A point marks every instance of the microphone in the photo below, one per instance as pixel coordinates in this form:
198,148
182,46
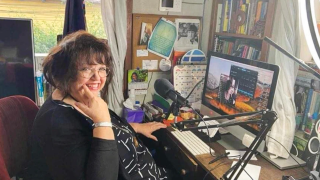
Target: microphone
166,90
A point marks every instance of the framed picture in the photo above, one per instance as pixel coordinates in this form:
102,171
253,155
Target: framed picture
146,30
188,34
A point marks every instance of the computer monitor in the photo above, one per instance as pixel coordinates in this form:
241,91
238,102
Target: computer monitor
16,58
236,85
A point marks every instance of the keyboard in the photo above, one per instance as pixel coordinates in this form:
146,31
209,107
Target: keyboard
192,142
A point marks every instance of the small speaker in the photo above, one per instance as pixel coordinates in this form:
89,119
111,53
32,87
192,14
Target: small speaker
312,148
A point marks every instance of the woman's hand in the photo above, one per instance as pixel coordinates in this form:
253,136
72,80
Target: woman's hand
92,105
147,128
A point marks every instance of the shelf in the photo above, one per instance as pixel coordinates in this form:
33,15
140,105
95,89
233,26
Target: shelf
239,36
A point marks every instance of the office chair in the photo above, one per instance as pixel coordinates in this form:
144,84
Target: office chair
16,118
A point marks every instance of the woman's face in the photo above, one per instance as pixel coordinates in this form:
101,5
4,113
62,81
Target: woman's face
231,89
134,77
89,75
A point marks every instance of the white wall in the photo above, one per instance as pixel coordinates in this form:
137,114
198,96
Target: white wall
305,54
189,8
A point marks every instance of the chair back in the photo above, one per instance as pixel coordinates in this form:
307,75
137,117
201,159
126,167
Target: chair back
17,114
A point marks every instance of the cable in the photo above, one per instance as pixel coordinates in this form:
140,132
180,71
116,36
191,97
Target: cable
289,153
194,88
213,169
244,168
144,98
246,171
207,130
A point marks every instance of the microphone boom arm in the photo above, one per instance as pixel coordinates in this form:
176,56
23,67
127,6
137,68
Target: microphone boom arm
266,122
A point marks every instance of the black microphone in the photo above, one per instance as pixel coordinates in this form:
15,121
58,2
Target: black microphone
166,90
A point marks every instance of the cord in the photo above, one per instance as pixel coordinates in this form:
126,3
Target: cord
144,98
194,88
244,168
246,171
289,154
207,130
216,166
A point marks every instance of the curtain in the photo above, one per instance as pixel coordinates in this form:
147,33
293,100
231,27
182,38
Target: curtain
114,16
74,17
285,33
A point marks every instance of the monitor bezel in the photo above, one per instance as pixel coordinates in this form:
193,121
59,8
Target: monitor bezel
255,63
30,21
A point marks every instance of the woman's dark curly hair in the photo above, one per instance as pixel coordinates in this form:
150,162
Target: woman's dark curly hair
60,67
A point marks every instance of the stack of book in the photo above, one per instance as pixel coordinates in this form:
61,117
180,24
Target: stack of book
307,101
254,12
239,47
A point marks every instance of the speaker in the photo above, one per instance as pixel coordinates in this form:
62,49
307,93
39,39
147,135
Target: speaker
312,148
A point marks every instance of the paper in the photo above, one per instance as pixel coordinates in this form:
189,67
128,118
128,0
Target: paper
138,79
162,38
212,131
138,86
141,91
235,154
252,170
185,77
128,104
150,64
142,53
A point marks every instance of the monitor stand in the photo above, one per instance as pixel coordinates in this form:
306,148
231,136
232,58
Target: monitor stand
282,163
229,142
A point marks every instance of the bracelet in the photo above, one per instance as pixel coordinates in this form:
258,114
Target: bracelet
102,124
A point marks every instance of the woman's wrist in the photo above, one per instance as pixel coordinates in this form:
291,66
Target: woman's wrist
103,133
135,127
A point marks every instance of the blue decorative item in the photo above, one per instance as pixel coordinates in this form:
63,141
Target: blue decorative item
194,56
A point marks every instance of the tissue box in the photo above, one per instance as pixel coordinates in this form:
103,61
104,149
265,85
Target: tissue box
131,115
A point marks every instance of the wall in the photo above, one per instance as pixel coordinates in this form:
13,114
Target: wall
305,54
189,8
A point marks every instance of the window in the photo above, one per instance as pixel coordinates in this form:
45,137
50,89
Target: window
48,19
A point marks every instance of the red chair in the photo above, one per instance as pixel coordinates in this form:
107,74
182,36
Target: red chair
16,118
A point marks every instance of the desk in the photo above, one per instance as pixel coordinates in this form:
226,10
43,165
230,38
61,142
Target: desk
196,167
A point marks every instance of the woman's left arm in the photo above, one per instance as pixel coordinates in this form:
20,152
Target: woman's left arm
147,128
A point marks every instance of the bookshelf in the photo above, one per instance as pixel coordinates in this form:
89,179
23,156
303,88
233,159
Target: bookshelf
255,18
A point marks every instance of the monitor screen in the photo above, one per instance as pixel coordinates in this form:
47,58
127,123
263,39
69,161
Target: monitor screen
235,85
16,58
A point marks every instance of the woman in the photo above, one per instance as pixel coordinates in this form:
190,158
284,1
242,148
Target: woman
229,93
134,77
74,135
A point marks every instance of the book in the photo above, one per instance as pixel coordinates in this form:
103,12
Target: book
258,11
219,15
306,111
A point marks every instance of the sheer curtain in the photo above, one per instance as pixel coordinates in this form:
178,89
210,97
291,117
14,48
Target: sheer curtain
285,33
114,16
